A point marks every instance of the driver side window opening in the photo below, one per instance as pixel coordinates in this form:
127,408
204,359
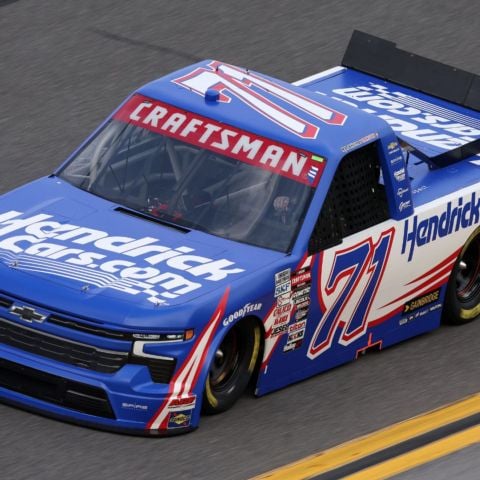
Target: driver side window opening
356,199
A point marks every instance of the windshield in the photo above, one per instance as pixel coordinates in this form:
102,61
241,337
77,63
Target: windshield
149,170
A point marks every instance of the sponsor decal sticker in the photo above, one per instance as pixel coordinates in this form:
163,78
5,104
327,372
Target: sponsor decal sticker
289,347
305,303
134,406
422,301
182,403
419,189
394,160
455,216
281,319
283,276
419,313
179,419
312,173
360,141
301,277
283,289
302,300
279,330
413,118
299,314
296,334
303,291
242,312
283,284
295,327
271,342
283,299
399,175
224,139
135,266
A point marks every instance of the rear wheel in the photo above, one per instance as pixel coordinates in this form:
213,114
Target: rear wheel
462,302
232,366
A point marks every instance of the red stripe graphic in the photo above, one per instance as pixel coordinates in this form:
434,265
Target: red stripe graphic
449,260
186,378
443,269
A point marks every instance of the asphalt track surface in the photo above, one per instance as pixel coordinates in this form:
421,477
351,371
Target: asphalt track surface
64,65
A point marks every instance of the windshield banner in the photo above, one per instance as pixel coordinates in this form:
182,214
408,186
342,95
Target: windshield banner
303,167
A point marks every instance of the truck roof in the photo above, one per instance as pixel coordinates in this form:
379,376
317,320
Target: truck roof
268,107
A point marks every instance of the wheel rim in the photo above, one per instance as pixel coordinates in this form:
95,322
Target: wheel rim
225,363
468,273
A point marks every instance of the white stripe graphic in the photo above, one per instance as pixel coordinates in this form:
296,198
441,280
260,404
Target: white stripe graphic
317,76
25,262
440,111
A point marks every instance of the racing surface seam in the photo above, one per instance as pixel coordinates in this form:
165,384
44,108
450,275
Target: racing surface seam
142,44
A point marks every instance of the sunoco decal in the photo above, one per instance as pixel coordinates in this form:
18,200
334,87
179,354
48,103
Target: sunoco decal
41,244
224,139
179,419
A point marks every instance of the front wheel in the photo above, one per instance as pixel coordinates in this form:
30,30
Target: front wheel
232,366
462,300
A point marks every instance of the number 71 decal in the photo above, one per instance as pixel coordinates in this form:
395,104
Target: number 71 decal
247,87
351,287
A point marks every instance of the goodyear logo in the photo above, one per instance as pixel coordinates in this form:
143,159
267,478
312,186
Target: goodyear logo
422,301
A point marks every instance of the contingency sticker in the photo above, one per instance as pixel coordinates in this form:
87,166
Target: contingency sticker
179,419
301,281
283,284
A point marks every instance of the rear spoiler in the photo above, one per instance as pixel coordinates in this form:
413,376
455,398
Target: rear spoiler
381,58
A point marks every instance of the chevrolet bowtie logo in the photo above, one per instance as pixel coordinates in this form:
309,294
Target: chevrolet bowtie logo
28,314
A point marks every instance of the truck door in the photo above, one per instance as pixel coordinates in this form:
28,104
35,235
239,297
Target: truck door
352,239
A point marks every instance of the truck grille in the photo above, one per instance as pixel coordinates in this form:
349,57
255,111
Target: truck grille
61,349
50,388
92,329
77,353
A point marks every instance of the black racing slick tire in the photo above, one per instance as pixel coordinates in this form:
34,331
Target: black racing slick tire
462,299
232,366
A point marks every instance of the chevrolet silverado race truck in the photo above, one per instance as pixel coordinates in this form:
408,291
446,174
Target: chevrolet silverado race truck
222,228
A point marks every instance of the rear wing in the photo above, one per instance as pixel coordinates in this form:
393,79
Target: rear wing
381,58
437,114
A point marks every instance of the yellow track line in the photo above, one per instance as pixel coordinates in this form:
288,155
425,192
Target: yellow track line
369,444
420,456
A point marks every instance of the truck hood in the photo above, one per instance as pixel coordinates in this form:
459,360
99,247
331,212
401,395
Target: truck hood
68,250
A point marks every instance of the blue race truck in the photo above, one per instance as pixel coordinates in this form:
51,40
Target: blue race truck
222,228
